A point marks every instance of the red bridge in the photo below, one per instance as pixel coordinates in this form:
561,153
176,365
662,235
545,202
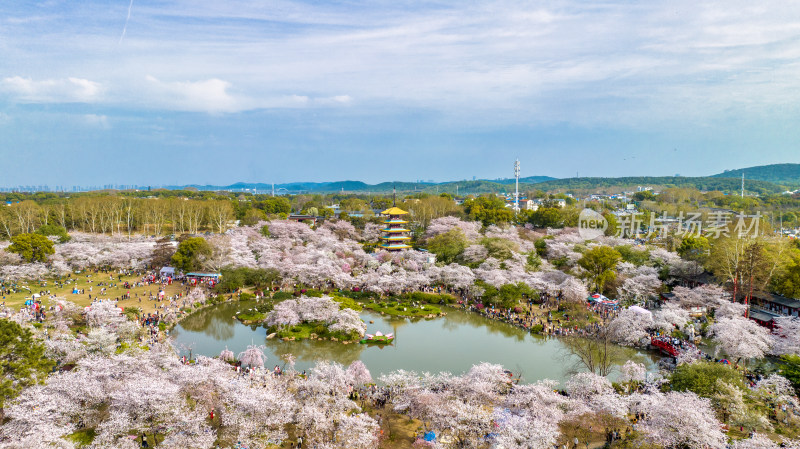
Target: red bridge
665,345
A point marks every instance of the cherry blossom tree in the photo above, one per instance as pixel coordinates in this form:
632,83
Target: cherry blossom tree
669,317
740,338
707,295
728,309
757,441
196,296
441,225
641,286
226,355
633,372
679,419
358,373
253,356
630,326
475,253
786,335
357,431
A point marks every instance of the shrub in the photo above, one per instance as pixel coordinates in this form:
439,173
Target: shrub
282,295
432,298
701,378
537,329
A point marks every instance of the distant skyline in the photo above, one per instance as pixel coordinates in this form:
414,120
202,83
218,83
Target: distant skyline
208,92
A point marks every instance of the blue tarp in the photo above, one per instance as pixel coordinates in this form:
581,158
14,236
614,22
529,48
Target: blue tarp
429,436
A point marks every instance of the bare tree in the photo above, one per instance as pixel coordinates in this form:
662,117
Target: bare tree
595,353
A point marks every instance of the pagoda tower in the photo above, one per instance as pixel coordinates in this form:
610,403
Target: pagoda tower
395,233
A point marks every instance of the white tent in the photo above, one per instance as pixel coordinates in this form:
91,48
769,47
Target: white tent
640,310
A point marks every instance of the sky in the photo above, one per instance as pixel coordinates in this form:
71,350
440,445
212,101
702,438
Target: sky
214,92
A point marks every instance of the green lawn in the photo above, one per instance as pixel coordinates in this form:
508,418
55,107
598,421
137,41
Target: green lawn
88,279
403,309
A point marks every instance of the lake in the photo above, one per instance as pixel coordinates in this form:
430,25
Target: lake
451,343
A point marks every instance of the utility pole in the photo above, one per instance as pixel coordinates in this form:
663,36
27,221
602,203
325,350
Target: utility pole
516,188
273,189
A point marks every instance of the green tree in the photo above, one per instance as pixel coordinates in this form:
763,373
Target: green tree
701,378
613,224
31,247
488,210
599,263
787,283
55,230
634,256
191,254
694,248
790,369
252,216
22,360
448,246
500,249
547,217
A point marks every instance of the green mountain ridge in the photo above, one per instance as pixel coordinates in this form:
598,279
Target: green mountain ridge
787,174
762,179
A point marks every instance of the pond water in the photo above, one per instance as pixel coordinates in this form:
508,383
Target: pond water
452,343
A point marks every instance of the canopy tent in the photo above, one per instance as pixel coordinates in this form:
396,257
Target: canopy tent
597,298
167,272
640,310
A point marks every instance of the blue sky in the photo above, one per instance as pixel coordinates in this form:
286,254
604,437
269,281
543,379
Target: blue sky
208,91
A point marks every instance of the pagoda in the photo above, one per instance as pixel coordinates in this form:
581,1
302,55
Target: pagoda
395,233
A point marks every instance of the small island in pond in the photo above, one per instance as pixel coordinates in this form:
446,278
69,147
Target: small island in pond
316,318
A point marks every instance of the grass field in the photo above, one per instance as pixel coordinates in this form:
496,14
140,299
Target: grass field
92,279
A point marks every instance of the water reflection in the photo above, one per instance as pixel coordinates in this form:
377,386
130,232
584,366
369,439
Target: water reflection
213,321
310,351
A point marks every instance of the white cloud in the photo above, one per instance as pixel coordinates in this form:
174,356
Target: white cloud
209,95
65,90
100,121
493,61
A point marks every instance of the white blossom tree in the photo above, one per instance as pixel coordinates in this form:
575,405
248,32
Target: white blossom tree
740,338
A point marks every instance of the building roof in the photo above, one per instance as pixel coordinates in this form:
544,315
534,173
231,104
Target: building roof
761,316
394,211
778,299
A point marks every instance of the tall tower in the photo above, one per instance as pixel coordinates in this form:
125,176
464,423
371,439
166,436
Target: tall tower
742,184
516,188
395,234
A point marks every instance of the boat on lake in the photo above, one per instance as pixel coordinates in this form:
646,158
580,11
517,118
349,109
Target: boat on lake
378,339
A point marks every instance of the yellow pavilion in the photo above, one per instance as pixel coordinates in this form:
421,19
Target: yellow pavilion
395,233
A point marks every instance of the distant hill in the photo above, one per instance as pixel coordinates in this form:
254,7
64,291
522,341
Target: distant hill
729,182
705,183
778,173
526,180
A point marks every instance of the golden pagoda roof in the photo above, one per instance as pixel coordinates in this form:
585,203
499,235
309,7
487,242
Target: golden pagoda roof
394,211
